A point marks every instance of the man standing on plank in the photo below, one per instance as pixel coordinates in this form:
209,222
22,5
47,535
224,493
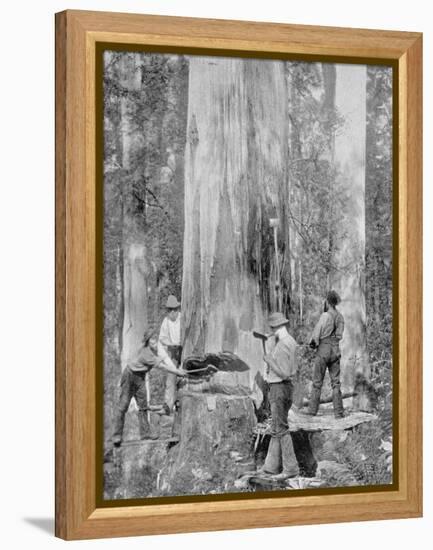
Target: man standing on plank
280,374
326,338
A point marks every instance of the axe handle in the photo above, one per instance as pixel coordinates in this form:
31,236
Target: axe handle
277,268
209,369
264,352
147,382
262,337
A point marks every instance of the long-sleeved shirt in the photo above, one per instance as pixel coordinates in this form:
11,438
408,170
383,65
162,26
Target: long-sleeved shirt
284,355
331,323
169,335
144,360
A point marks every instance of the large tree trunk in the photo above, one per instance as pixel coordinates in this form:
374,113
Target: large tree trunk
133,255
135,272
349,255
113,244
135,268
235,180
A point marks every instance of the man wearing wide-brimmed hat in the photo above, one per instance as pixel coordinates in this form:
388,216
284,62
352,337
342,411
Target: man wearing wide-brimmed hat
133,385
169,345
326,338
280,374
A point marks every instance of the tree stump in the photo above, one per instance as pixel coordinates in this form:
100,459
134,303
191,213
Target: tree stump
215,445
139,464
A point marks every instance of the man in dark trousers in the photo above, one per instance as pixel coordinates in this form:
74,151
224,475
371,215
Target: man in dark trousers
280,374
326,338
133,384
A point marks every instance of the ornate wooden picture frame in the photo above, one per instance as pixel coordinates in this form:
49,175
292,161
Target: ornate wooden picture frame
80,38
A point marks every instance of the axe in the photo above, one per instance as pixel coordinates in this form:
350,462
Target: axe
262,337
274,223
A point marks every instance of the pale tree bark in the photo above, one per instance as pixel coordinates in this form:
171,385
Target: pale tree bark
329,74
350,235
113,242
135,268
235,181
135,318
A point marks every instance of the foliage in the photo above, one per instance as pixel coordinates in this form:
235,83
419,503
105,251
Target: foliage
145,114
363,455
378,198
318,210
318,200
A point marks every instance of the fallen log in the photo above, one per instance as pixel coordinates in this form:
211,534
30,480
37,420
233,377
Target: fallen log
325,420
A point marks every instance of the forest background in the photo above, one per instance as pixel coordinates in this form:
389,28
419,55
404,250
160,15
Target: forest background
334,228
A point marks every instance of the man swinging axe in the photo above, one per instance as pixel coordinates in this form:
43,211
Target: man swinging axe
133,385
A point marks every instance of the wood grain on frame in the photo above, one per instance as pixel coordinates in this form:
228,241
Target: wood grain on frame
77,33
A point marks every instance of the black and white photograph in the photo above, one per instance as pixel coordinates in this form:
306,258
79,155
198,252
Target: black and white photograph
248,275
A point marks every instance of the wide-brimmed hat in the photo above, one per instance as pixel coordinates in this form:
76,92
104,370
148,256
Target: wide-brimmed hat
277,320
172,302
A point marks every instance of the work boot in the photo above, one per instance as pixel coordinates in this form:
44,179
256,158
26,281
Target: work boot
119,422
308,472
337,402
281,477
289,462
144,426
304,454
273,460
313,405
